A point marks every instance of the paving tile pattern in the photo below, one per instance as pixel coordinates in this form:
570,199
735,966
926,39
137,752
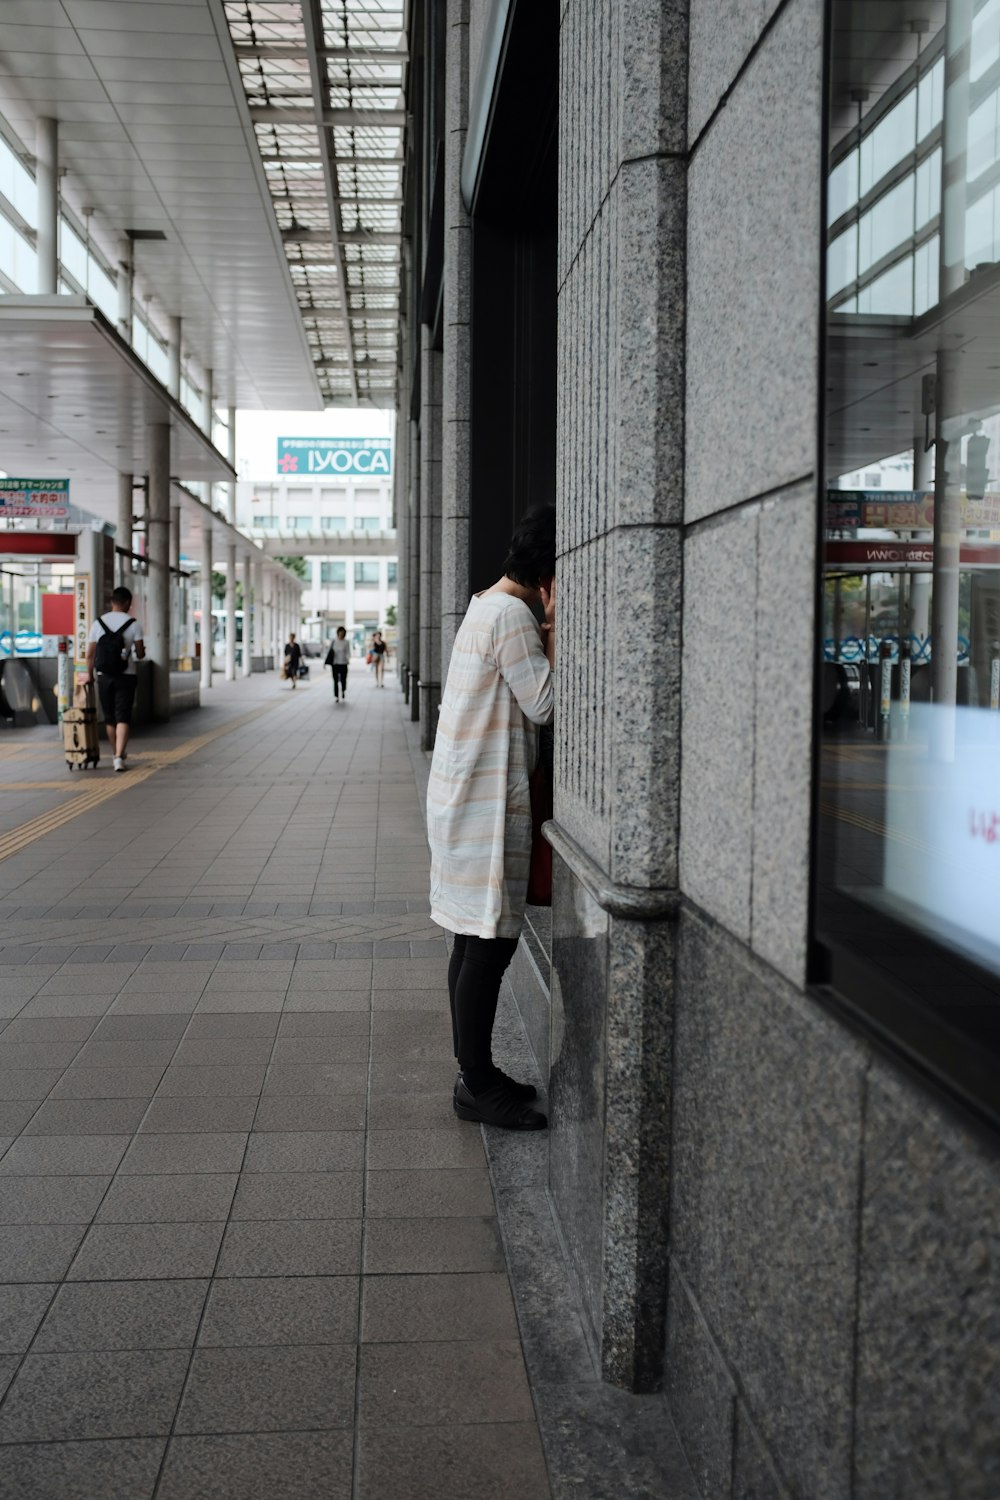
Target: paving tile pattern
245,1247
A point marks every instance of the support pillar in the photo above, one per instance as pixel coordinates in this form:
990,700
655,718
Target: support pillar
259,643
47,182
156,627
174,357
123,537
231,456
248,641
126,279
430,544
231,612
206,601
175,537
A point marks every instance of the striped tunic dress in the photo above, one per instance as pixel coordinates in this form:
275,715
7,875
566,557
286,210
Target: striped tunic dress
499,689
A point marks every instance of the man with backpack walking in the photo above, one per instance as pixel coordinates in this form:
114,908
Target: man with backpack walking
113,646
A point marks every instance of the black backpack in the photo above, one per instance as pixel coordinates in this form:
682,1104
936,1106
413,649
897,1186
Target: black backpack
110,659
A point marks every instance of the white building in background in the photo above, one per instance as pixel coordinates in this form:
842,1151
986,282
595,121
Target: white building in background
319,489
355,591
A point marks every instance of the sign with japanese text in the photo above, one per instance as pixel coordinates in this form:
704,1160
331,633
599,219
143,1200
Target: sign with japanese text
346,458
81,618
889,556
34,499
903,510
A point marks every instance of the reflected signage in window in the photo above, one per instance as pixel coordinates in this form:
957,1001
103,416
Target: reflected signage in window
908,867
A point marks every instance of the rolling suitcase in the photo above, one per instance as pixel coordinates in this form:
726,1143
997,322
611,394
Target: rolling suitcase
79,726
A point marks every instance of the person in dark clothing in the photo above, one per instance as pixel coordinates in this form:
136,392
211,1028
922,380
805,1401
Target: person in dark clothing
293,655
337,658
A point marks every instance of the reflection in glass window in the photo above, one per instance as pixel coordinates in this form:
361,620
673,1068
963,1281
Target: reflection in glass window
985,40
886,225
333,574
930,100
891,294
366,523
300,523
266,523
893,137
392,574
928,189
908,860
842,261
982,151
842,187
925,276
981,230
337,524
366,575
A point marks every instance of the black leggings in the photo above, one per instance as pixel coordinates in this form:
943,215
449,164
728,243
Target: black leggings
474,974
339,679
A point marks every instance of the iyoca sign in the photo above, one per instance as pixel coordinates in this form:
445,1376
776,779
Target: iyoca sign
350,458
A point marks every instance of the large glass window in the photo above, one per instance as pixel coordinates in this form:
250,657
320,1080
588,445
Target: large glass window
366,575
908,861
333,574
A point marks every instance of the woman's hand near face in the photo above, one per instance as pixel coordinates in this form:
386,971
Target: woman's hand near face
549,626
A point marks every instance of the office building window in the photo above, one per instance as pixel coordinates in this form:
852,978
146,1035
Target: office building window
367,523
366,575
392,574
266,523
332,575
908,860
300,523
337,524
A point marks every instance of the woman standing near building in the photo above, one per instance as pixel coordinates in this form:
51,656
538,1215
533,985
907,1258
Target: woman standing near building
380,653
499,690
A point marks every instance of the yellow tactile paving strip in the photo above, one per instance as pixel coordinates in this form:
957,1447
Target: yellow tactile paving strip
94,794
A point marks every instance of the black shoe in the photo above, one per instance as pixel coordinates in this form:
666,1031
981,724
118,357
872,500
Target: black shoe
496,1105
525,1091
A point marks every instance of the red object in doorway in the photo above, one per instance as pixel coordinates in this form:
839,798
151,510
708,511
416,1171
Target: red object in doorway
57,614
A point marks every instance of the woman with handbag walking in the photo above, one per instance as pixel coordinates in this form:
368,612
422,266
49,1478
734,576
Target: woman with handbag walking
498,692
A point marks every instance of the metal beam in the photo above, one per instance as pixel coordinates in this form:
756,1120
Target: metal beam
332,54
312,23
346,237
312,160
269,114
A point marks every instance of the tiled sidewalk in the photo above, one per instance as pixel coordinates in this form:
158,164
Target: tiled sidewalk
245,1248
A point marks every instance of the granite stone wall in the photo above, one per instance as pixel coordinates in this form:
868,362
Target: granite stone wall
764,1215
620,501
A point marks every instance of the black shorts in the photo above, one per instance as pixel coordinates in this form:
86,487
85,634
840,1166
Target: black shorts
117,695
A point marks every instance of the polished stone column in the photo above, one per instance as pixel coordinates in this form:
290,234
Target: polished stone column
157,623
231,612
206,600
47,183
248,640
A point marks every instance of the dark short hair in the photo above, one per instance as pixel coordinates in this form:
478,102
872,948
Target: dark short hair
122,597
341,630
532,554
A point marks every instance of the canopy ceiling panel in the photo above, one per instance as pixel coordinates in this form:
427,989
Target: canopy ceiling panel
155,134
324,82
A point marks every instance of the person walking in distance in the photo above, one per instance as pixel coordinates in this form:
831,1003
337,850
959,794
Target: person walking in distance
338,657
293,655
113,645
380,653
500,689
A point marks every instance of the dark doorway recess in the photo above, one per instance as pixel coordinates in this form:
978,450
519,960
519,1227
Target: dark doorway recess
514,269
